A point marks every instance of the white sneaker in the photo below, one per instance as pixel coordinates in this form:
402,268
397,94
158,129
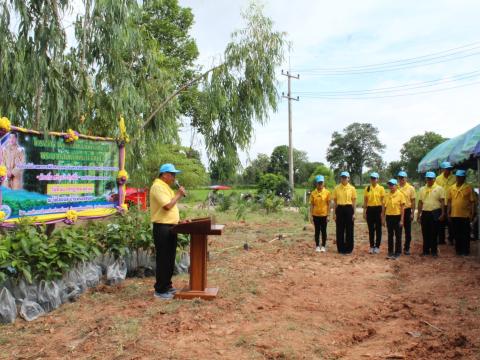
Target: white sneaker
323,249
377,250
371,251
317,249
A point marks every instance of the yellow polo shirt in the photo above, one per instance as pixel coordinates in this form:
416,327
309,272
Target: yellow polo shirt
320,201
409,192
431,197
462,200
160,195
374,195
393,203
344,194
445,182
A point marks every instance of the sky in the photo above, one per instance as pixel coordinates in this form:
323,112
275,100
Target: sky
358,34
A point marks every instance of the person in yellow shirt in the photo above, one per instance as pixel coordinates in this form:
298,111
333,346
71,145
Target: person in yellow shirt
409,192
344,200
393,215
446,179
319,210
164,215
460,210
431,210
372,212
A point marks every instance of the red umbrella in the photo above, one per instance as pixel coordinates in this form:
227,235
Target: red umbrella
220,187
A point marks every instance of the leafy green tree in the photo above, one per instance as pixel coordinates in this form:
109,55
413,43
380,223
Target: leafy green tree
193,172
258,167
274,184
279,163
394,167
416,148
357,147
326,172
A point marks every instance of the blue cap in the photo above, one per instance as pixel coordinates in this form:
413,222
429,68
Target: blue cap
168,168
392,181
430,175
345,173
446,165
374,175
319,178
402,174
460,173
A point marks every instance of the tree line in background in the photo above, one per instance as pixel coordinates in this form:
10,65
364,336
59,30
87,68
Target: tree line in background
357,149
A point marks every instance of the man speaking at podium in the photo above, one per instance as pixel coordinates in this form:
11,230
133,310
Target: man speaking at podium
164,215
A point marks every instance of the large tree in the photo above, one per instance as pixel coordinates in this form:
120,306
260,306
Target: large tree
416,148
279,163
135,59
257,168
356,147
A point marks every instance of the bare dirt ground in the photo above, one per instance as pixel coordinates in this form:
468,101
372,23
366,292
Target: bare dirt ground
279,300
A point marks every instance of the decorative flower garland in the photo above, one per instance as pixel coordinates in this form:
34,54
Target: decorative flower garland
3,173
71,217
2,216
5,126
123,137
122,177
70,136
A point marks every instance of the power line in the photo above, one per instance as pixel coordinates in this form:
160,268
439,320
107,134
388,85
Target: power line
406,60
372,71
424,84
359,97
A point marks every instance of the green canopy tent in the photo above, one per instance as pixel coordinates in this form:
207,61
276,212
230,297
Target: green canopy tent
462,151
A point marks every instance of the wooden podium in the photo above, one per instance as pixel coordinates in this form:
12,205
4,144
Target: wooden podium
199,229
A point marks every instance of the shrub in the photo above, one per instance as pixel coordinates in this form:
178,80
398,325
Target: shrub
272,183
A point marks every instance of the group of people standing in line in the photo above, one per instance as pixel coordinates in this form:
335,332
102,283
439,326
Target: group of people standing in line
446,201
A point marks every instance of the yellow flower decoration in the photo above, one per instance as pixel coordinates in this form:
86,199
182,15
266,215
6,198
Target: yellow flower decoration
71,216
3,170
2,216
123,131
122,177
124,207
71,136
5,125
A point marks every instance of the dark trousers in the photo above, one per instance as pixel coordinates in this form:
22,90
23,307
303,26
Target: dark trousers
430,225
407,225
394,230
461,229
374,222
442,227
344,222
165,252
320,223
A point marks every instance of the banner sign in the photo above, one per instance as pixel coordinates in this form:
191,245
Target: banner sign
48,176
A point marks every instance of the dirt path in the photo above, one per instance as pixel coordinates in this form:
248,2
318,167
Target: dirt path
279,300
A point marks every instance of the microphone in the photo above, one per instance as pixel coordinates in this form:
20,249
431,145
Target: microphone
177,184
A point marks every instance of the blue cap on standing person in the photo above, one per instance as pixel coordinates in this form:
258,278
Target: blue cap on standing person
460,173
168,168
344,174
319,178
402,174
392,182
374,175
446,165
430,175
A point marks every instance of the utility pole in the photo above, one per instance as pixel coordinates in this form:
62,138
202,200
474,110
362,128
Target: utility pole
290,145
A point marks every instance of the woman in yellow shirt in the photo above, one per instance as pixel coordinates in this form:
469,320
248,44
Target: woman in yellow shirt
344,200
319,210
392,214
372,212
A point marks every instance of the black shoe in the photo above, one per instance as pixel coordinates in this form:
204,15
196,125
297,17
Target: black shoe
435,255
397,255
425,254
406,252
